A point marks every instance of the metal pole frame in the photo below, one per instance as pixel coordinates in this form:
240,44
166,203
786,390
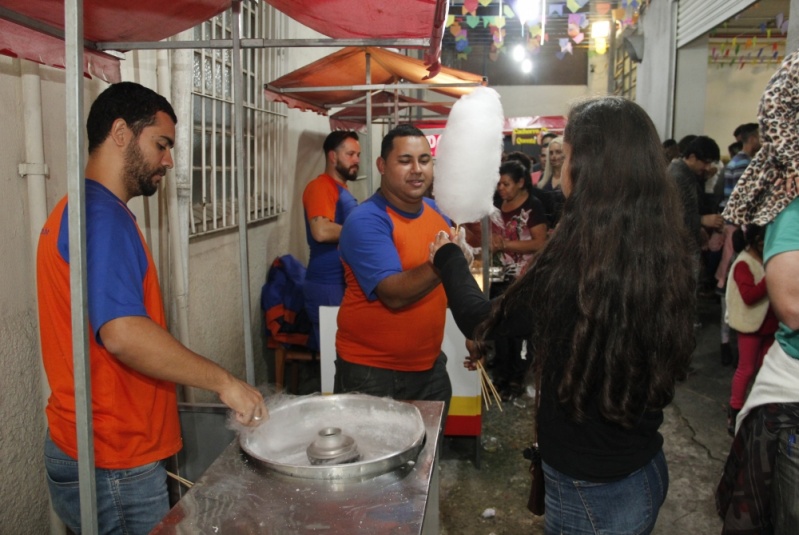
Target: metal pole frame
76,194
241,180
74,88
369,131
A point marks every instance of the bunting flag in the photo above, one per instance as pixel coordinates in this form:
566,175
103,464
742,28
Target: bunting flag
472,21
470,7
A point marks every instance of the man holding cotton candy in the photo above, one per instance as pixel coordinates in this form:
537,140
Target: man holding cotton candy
391,321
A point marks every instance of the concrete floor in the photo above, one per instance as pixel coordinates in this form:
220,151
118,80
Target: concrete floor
696,446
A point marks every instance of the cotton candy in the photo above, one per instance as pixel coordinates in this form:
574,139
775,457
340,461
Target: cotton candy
468,156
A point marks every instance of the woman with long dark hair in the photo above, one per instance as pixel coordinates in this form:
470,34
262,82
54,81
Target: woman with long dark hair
607,306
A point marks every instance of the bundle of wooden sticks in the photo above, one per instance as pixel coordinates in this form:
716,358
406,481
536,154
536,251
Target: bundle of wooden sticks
487,388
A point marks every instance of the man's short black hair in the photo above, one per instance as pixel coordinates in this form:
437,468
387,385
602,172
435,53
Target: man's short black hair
684,142
735,148
744,130
401,130
547,135
704,148
129,101
335,139
669,143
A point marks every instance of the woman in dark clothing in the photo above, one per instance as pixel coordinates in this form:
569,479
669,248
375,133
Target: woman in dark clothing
518,234
607,306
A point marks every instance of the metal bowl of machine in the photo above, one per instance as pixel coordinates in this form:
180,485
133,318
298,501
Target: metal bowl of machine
332,447
309,437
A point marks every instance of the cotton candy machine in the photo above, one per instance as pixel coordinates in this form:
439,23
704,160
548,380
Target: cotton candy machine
337,437
265,481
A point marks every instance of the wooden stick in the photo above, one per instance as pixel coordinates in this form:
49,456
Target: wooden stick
483,391
181,480
492,388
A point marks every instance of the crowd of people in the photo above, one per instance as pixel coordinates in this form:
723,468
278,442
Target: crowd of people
602,253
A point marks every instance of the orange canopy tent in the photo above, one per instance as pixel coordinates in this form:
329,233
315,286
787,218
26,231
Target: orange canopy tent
341,77
385,105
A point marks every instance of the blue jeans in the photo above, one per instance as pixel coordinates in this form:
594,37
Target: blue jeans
130,501
785,486
429,385
629,506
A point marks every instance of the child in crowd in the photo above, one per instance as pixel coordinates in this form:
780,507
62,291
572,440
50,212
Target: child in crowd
749,313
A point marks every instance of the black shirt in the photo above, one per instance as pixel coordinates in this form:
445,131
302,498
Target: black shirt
593,450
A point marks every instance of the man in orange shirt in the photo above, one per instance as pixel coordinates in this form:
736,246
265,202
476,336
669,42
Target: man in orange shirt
327,203
391,321
134,361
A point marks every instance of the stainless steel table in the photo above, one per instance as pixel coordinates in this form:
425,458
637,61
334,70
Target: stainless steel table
236,495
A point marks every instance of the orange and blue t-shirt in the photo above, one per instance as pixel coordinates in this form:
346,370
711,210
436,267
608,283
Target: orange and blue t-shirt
326,197
377,241
134,416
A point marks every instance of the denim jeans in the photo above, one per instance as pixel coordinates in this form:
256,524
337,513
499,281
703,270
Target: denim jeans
430,385
130,501
785,486
628,506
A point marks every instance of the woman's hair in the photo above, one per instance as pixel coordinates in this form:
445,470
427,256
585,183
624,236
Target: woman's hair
612,292
747,236
516,171
548,171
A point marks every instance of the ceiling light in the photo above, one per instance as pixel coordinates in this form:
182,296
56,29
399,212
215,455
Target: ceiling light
600,28
527,66
527,9
518,53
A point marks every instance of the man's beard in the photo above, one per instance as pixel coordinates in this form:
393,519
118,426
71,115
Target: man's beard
347,174
138,176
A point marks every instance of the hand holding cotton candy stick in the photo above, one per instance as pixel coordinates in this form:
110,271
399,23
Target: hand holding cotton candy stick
468,157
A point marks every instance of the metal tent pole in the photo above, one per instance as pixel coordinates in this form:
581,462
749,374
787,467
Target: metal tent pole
244,256
73,23
369,129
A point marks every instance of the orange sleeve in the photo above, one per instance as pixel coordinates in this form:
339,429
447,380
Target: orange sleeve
320,198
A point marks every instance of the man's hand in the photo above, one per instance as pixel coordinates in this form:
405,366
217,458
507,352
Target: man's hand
246,401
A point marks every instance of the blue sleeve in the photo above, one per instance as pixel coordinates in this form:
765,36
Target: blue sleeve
367,246
116,264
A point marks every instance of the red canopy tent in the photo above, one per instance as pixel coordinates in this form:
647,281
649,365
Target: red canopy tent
34,29
374,18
